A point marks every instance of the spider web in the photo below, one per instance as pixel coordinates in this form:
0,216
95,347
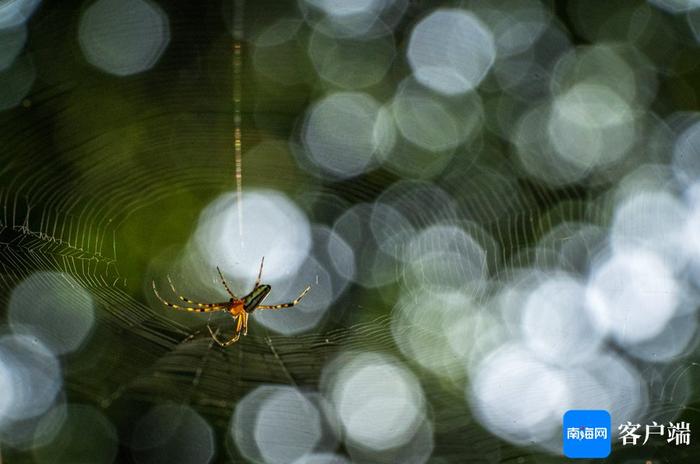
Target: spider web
151,357
73,201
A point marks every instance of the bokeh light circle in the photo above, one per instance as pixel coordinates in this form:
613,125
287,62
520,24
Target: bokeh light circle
591,125
339,133
555,324
654,221
123,37
379,402
276,425
442,338
55,307
265,213
16,12
632,295
32,377
418,111
444,258
451,51
518,397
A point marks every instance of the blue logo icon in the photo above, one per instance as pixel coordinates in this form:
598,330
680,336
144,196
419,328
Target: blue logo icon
586,434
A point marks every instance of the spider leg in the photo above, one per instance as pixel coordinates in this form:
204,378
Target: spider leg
221,343
239,325
257,281
223,281
232,340
214,307
245,323
187,300
286,305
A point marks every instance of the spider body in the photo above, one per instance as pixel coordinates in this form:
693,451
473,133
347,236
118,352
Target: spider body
237,308
252,301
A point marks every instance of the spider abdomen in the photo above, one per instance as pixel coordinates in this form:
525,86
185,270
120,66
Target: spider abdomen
252,300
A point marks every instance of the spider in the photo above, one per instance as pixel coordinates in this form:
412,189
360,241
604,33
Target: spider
238,308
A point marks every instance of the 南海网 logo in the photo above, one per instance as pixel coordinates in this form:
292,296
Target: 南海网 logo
586,434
